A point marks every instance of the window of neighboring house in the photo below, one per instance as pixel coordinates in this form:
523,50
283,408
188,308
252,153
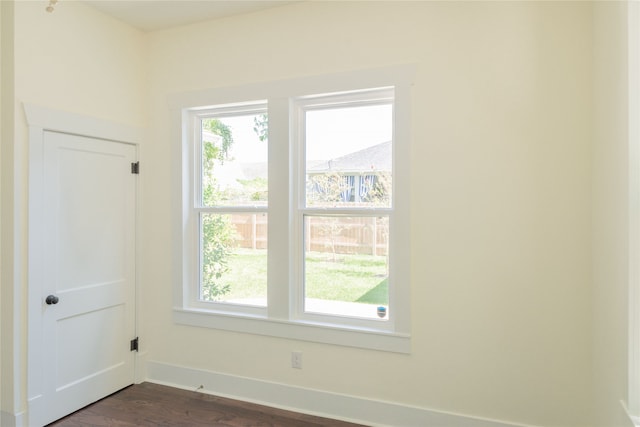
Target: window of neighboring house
325,168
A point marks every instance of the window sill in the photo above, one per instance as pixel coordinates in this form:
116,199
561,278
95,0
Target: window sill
297,330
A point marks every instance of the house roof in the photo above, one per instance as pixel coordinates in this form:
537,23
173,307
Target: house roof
375,158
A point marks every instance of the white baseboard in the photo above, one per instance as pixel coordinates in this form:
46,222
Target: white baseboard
12,420
635,421
312,402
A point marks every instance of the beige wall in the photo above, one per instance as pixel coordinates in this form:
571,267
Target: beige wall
502,129
77,60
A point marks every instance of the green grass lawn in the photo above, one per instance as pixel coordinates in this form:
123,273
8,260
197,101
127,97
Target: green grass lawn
343,277
247,275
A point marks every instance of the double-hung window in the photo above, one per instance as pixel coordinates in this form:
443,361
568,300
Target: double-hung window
343,193
230,205
295,210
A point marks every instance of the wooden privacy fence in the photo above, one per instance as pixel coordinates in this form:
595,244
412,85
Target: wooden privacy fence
341,235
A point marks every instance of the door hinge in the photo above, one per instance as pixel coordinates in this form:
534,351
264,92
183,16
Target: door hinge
135,168
134,344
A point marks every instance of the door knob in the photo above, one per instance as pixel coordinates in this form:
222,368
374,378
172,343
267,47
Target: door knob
52,299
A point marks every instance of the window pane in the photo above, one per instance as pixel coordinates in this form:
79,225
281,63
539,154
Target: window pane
346,266
349,156
234,160
234,258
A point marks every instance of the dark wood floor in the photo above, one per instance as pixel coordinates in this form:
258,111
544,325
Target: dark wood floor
149,404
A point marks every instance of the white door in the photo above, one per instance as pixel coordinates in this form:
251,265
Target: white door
86,292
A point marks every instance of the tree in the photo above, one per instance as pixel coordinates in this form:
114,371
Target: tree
261,126
257,188
220,129
218,234
380,193
331,189
326,189
323,190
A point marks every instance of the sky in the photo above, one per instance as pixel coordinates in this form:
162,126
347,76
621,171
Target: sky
330,133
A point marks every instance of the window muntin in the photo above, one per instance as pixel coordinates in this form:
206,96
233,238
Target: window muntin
232,203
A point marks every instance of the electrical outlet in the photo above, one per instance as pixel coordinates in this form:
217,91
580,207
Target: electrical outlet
296,359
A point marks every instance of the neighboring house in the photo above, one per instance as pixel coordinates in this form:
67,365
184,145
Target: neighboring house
360,171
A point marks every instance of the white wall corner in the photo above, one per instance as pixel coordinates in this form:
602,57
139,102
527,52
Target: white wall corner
141,367
309,401
633,407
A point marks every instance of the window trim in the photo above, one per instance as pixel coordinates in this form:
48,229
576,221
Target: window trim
279,321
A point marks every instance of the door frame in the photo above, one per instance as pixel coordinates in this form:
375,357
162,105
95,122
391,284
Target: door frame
40,120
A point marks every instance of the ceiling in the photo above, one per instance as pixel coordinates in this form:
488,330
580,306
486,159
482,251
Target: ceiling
151,15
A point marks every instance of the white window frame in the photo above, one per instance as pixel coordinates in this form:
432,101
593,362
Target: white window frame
282,318
298,109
